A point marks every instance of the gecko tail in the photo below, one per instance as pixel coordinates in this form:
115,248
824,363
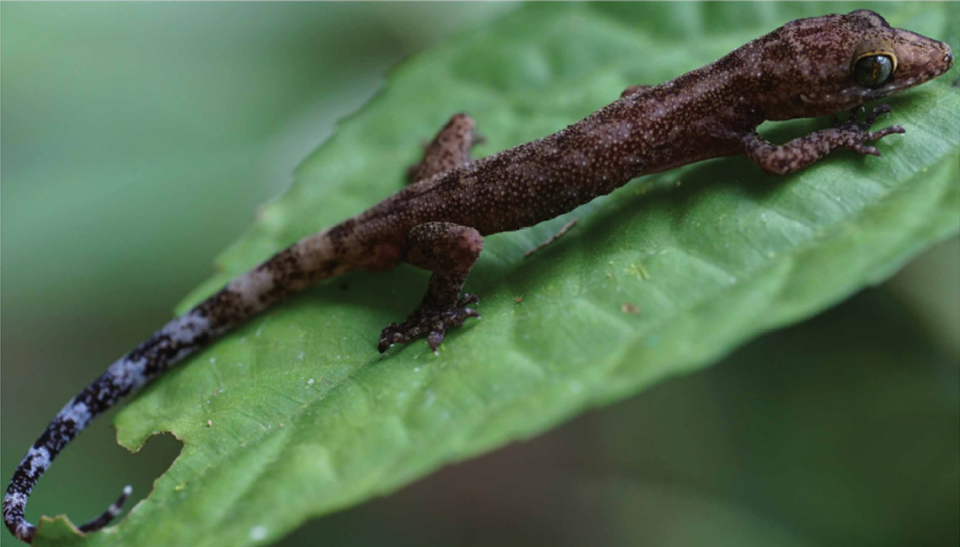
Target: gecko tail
166,347
25,531
309,261
110,514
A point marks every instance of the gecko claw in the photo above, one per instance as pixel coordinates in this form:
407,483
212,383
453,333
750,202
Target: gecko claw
854,115
431,322
108,515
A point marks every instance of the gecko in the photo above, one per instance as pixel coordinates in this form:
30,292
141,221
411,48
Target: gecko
807,68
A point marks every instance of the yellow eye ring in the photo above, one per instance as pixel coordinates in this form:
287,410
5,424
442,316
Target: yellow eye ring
873,68
885,52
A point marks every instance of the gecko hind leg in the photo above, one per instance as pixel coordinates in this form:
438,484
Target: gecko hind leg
449,149
449,251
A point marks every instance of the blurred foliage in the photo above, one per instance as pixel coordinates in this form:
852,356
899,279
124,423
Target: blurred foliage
521,84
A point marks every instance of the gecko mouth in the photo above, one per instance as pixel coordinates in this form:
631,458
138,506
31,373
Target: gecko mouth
859,96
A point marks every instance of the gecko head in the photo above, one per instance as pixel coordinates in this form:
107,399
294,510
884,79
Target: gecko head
822,65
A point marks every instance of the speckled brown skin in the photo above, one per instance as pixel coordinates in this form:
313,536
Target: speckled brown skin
800,70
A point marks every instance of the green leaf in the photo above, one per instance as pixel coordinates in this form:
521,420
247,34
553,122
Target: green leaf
296,414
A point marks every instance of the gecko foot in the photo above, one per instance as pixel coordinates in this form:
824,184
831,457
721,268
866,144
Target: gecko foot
854,134
432,322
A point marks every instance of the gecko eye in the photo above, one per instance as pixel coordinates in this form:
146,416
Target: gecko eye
873,69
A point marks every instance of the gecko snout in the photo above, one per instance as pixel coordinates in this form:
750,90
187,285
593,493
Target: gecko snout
921,59
947,56
942,59
939,56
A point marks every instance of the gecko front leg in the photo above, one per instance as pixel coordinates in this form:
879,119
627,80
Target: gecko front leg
449,149
799,153
449,251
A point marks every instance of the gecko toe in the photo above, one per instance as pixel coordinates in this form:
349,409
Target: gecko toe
856,134
467,300
430,322
882,109
434,339
893,129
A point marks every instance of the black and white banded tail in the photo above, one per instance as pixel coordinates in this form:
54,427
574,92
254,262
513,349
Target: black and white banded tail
166,347
306,262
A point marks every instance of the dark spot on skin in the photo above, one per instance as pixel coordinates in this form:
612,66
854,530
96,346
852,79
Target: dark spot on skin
344,286
283,264
339,233
223,308
955,83
328,267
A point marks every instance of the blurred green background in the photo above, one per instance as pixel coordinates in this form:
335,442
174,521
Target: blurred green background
138,140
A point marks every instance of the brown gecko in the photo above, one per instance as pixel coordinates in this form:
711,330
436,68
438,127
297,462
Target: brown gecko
806,68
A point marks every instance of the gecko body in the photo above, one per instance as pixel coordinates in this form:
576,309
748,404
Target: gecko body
809,67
